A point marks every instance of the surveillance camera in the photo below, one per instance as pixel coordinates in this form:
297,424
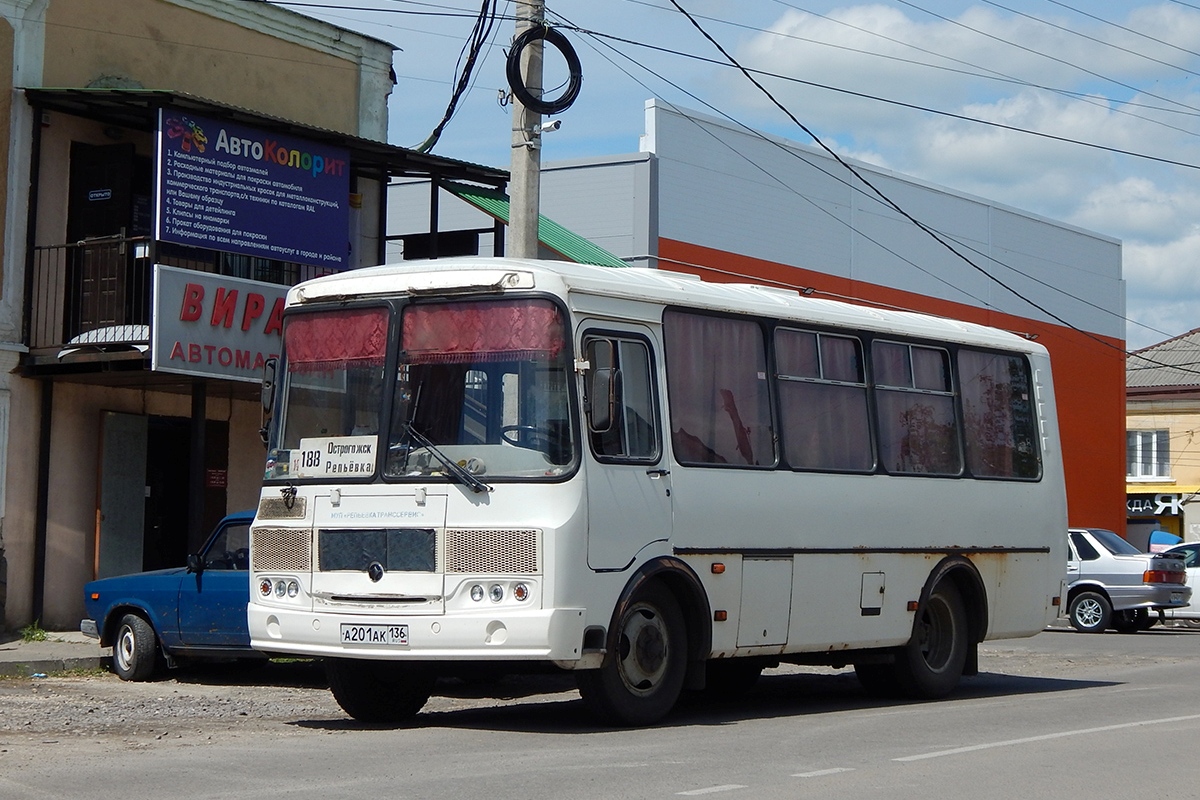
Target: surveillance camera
550,125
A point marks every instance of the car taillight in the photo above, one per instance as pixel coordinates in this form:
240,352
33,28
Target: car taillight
1163,576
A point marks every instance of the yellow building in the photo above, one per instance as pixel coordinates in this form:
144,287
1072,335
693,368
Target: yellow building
1162,464
120,446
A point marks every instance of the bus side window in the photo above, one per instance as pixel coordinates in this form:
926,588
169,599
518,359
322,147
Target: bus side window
620,401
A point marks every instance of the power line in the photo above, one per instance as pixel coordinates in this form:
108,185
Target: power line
1124,28
887,200
930,231
889,101
1044,55
482,31
1089,38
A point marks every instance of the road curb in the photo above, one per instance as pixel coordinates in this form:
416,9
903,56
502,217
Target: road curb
45,666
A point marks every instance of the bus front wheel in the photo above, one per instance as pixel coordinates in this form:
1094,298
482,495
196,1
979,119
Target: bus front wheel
379,691
931,664
640,682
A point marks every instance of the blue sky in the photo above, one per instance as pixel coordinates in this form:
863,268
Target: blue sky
1104,76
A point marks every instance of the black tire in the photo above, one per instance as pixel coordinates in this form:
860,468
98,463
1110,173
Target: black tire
1090,612
878,680
932,662
379,691
1131,620
731,678
642,678
135,649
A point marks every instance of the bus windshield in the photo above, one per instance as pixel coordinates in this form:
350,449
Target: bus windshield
480,386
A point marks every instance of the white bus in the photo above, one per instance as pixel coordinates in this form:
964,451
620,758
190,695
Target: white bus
659,483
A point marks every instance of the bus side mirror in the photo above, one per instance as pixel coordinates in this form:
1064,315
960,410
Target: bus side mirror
600,385
268,384
268,397
601,405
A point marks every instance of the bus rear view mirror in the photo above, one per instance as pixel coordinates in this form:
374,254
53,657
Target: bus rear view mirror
268,396
268,385
600,385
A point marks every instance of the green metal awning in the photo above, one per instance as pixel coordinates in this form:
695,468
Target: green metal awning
570,246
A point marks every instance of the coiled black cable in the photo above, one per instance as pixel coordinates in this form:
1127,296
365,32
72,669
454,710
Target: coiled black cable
516,81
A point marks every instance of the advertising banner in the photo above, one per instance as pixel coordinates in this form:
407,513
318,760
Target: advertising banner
213,325
234,188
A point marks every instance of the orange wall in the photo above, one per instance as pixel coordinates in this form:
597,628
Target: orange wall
1089,371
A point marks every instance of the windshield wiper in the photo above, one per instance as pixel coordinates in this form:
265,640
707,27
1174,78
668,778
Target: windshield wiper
452,466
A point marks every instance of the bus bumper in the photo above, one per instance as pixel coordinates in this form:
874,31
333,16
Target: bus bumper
535,635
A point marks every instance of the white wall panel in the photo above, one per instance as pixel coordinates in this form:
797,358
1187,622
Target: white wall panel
724,188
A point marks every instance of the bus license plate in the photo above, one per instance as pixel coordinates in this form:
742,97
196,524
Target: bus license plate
374,634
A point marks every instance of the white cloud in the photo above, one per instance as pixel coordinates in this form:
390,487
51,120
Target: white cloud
1163,287
1137,208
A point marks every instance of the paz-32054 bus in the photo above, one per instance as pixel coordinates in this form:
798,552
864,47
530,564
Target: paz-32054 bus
659,483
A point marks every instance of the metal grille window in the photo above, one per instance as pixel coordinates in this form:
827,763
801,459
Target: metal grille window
396,549
1148,454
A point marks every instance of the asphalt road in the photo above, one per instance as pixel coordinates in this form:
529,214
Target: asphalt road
1063,715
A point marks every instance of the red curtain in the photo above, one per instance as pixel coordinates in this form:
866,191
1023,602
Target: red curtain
490,330
334,340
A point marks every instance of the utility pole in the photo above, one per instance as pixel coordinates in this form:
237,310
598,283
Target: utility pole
526,170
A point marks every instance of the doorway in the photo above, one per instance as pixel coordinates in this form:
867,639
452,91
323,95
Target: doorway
144,490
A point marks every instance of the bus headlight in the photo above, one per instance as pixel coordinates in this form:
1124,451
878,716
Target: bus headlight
477,593
497,593
293,588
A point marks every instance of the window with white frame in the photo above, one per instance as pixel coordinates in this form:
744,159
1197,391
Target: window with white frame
1148,454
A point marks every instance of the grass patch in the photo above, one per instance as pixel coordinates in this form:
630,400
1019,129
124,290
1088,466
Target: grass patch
33,632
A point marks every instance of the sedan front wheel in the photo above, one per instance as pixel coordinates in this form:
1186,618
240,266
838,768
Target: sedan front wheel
135,649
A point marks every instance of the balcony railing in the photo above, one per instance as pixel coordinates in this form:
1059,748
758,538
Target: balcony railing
98,292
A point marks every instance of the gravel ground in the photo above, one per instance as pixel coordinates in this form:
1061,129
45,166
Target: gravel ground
203,702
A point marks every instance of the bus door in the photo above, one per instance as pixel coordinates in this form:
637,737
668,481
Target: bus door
628,479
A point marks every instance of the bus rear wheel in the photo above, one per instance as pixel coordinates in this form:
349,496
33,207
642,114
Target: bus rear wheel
640,682
932,662
379,691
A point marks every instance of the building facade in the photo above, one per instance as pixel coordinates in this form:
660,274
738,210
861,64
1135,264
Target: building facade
137,234
1162,435
710,198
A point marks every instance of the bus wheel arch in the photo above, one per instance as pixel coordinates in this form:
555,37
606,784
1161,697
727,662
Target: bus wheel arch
950,621
655,646
963,572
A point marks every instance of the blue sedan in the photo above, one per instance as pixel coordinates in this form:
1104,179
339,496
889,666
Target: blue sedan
151,618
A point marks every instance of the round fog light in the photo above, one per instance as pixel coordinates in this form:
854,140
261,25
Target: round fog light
521,592
497,593
293,589
477,593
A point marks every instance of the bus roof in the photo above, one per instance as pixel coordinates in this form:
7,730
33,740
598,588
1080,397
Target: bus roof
470,275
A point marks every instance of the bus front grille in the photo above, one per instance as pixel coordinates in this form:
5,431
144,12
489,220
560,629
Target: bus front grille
509,552
281,549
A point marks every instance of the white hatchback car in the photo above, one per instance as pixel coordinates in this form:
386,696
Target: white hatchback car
1112,584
